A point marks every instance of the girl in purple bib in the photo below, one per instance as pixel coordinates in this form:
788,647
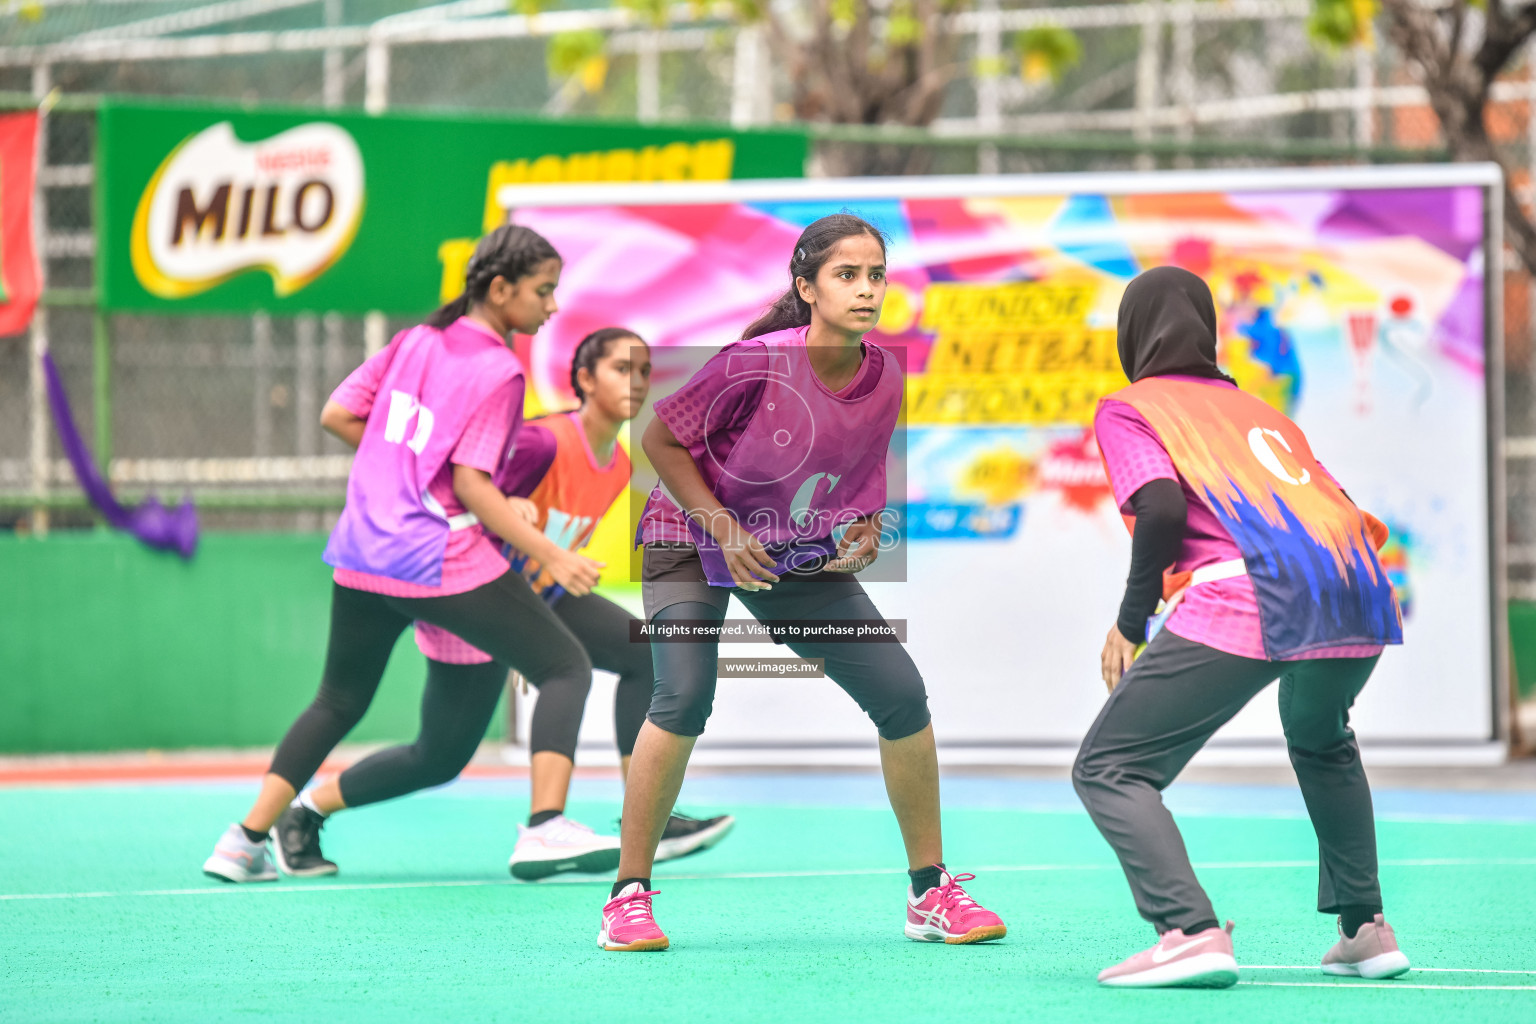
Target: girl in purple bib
433,417
772,465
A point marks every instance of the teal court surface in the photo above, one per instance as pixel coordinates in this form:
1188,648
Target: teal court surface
796,917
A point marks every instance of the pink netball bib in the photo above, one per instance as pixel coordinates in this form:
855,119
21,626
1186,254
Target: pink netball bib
808,462
391,525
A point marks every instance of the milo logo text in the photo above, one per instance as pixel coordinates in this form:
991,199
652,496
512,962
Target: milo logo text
217,207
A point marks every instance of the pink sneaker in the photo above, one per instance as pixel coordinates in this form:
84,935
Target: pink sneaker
1372,953
946,913
627,922
1201,960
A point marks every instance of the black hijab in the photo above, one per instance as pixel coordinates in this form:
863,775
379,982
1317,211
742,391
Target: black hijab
1168,325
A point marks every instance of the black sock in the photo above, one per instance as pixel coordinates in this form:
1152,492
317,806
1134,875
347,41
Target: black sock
1199,926
924,879
1353,915
618,887
253,835
538,818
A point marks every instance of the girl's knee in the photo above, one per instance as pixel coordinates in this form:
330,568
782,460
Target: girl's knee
682,710
900,709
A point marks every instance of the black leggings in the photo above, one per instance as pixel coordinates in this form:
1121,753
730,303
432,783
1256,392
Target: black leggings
603,629
460,699
880,676
504,618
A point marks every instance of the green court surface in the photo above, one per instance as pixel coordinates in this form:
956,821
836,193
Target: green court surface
796,917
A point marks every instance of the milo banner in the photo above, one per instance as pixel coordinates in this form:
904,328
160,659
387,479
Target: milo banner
209,209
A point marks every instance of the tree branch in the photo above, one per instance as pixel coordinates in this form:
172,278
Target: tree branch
1459,86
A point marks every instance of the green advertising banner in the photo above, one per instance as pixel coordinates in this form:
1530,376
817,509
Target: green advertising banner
205,209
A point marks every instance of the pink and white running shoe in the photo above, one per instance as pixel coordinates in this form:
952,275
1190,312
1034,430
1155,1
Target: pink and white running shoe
1201,960
1372,953
628,926
946,913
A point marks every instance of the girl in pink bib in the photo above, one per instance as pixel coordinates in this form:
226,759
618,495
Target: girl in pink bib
433,417
772,464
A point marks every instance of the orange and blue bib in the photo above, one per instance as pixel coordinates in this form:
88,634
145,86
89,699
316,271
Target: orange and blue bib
1308,550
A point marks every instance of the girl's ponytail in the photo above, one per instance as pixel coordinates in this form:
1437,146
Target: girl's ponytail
510,252
812,250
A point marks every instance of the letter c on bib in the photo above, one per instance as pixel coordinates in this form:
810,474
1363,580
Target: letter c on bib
1265,453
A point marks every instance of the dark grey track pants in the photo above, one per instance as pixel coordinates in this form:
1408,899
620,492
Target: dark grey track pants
1175,696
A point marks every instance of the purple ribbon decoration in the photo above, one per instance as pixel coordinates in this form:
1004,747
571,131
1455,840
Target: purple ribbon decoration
159,527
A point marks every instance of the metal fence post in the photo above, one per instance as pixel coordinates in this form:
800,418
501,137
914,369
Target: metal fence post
748,69
261,382
306,405
375,334
37,391
101,391
1365,96
648,77
989,107
1182,76
1148,71
333,82
376,76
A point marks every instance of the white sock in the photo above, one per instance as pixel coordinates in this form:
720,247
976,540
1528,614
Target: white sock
307,799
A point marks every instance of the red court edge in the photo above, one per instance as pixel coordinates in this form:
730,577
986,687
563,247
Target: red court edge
152,769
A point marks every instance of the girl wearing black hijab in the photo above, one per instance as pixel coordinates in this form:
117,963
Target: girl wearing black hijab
1267,571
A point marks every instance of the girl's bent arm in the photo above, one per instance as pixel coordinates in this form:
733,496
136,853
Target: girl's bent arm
480,495
343,423
749,564
681,477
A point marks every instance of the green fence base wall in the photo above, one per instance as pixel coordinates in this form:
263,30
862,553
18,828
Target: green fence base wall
1522,638
106,645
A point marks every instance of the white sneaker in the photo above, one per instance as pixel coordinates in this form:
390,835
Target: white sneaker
561,844
237,859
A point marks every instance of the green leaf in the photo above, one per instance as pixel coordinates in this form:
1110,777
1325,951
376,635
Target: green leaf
1338,24
903,30
568,53
1047,51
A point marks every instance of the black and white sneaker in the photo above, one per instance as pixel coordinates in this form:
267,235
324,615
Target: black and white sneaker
296,843
684,835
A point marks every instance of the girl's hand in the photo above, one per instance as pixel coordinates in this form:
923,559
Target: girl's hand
859,547
750,566
525,509
577,573
1116,658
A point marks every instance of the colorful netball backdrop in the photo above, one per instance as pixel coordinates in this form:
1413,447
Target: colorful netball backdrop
1357,312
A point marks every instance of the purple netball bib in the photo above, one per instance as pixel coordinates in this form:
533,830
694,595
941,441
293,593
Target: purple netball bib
807,463
435,382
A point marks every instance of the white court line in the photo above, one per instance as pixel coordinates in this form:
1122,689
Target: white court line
1390,984
254,887
1445,970
257,887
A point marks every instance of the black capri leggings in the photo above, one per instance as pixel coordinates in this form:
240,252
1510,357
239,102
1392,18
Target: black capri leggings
460,699
504,618
881,677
